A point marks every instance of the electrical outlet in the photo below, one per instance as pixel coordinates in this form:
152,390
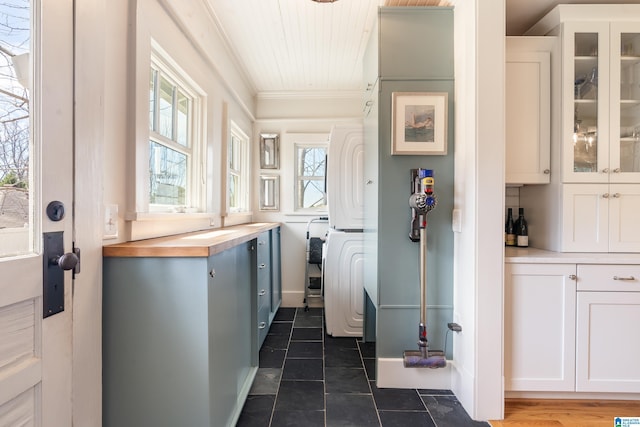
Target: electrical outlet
110,224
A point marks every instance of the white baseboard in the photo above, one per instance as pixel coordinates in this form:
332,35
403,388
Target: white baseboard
391,373
571,395
296,299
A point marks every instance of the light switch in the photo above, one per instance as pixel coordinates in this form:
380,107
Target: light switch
110,225
456,221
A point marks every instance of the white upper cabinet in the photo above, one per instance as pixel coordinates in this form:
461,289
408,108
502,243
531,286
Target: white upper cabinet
602,123
528,109
600,92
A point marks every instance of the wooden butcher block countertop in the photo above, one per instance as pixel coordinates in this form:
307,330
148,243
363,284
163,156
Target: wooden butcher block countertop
196,244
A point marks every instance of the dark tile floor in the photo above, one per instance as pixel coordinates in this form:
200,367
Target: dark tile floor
308,379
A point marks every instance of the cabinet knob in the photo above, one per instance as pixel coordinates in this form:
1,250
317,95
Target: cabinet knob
262,292
546,171
263,265
260,242
262,325
605,196
212,273
369,182
573,277
616,170
605,170
616,195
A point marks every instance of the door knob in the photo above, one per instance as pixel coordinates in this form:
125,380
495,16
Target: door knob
67,261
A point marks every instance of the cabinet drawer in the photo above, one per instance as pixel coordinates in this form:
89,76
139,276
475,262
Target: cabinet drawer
619,277
264,248
263,324
264,296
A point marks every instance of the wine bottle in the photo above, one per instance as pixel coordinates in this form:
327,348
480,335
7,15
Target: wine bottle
509,230
522,230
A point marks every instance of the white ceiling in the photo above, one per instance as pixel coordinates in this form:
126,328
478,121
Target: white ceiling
293,46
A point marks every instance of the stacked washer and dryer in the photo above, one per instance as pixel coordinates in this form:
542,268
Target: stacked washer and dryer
343,251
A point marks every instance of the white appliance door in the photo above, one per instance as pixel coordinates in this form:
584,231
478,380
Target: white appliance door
343,283
345,175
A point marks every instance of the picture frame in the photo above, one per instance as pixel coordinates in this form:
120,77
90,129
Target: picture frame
269,192
269,151
419,123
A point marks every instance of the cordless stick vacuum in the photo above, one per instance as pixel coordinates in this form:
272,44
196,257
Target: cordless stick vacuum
422,201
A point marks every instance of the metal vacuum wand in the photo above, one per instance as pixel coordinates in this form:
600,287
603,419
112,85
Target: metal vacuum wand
423,201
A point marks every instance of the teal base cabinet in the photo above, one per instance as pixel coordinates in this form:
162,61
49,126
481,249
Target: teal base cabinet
268,281
179,345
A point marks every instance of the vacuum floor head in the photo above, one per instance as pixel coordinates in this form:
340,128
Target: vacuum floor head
417,359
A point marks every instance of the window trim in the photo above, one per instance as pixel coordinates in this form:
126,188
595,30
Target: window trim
195,150
245,173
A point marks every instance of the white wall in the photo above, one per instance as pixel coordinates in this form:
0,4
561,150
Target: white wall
294,225
479,195
185,30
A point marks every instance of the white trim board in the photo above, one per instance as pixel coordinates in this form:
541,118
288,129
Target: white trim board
391,373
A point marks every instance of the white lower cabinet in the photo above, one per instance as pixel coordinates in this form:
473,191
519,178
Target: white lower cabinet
540,327
572,327
607,339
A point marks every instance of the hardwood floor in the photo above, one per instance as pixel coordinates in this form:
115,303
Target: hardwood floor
565,413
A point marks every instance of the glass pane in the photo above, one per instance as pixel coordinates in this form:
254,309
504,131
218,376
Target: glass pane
168,176
152,98
585,131
234,189
234,154
182,119
16,207
312,161
630,102
165,120
311,193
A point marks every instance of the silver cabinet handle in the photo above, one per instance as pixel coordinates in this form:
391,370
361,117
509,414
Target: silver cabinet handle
262,292
546,171
605,196
369,182
262,325
260,242
605,170
616,170
573,277
624,278
263,265
212,273
616,195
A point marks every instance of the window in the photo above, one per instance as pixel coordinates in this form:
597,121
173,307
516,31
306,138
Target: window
173,145
238,179
311,166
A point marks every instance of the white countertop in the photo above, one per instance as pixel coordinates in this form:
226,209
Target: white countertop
539,256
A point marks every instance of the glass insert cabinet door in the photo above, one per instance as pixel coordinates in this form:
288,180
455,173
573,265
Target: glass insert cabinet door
602,119
585,102
625,102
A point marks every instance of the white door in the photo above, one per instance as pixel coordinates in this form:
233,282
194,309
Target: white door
35,354
624,228
585,217
539,308
606,353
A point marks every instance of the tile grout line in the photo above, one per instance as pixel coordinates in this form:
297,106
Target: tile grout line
275,400
366,374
